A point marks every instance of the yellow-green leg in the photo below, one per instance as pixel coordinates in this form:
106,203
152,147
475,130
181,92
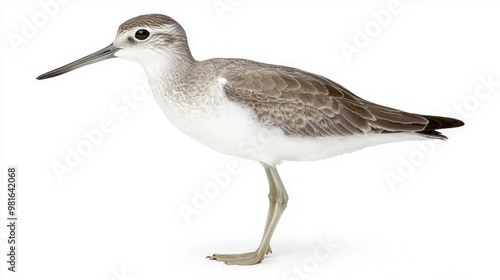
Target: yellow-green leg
278,199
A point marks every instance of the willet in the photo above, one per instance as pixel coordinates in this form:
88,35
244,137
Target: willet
225,102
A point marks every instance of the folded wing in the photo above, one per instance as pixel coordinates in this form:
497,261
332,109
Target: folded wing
303,104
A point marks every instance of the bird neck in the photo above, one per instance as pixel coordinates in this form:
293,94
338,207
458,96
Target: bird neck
166,75
169,68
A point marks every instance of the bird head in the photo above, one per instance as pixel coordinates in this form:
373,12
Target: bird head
147,39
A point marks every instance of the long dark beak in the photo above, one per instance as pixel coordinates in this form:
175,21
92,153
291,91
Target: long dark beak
103,54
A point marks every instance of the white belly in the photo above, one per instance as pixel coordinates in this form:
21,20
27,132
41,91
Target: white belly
234,130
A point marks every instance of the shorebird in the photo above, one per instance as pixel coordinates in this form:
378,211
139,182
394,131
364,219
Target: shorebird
224,103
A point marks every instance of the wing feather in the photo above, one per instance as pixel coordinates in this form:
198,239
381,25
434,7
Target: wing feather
303,104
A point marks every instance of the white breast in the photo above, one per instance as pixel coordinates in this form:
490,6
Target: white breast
207,116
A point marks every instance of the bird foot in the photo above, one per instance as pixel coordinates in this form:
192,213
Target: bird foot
249,258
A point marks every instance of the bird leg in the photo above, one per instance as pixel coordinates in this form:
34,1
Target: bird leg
272,202
278,199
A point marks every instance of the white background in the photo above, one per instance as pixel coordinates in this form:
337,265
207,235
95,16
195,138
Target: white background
116,215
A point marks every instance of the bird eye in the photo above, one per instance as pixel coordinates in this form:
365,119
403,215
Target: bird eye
142,34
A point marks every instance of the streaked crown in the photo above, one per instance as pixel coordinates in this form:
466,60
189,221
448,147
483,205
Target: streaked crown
151,35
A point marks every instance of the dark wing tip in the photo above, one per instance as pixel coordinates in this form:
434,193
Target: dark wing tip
441,123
